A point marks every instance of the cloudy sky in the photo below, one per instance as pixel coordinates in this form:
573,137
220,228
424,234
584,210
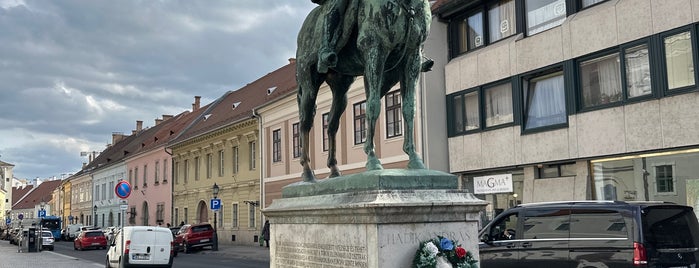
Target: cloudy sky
74,71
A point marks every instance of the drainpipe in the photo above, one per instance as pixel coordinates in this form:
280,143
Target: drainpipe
262,159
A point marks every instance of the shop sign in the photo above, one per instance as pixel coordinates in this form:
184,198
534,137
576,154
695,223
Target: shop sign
493,184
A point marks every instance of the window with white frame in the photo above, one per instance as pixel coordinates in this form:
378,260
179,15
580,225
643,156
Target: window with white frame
277,145
253,152
498,105
664,179
234,215
359,122
394,115
542,15
221,163
544,101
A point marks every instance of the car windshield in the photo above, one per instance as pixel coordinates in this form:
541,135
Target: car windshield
670,227
46,234
202,228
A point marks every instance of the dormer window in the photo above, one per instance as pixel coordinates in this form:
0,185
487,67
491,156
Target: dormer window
206,116
271,90
235,105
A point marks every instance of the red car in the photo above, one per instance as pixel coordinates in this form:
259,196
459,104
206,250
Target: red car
193,236
90,239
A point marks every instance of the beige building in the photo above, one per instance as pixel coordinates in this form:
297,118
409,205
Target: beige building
557,100
6,189
222,147
81,198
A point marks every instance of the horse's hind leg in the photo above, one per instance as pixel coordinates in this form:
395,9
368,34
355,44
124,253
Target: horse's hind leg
339,84
408,86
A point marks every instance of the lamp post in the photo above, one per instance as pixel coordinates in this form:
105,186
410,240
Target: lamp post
94,220
215,190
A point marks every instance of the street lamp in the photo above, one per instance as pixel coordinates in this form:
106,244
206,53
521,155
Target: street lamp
94,220
215,190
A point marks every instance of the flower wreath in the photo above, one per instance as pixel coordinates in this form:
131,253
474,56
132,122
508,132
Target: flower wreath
443,252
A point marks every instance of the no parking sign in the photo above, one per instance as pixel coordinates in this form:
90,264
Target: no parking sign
122,189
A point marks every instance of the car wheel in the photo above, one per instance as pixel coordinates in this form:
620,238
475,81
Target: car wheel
121,263
187,249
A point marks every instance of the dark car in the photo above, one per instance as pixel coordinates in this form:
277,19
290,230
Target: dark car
175,243
610,234
192,236
90,239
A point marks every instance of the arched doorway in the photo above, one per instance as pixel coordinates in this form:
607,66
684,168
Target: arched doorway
144,218
203,212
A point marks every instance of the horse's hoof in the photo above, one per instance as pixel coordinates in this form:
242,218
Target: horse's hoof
416,164
308,176
373,164
334,173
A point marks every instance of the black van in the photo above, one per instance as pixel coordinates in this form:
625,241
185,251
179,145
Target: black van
586,234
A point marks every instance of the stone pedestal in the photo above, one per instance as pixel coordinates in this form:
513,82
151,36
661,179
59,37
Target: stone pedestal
369,228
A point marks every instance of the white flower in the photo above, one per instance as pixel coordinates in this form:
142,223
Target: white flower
432,249
442,262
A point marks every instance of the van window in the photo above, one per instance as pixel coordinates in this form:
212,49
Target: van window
504,228
546,223
597,223
670,227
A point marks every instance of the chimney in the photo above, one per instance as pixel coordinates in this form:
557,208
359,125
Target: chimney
139,125
292,60
167,116
195,105
116,137
158,121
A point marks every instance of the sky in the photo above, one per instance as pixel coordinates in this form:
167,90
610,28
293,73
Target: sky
72,72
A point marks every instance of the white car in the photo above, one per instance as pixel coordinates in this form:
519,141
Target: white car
135,246
47,240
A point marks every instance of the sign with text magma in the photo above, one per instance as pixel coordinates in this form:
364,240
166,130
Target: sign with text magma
492,184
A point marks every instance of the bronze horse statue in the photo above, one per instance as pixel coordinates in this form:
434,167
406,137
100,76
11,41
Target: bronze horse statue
383,44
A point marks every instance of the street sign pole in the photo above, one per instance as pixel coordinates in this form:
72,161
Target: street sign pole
123,190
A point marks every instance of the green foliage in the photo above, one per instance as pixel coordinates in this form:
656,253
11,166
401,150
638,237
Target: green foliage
428,252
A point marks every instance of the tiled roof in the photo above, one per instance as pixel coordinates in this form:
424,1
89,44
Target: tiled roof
236,106
38,194
19,192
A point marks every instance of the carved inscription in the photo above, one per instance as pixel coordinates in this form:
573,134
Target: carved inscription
311,255
414,238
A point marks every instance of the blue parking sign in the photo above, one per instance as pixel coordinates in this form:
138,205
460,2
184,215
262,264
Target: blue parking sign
8,221
42,213
215,204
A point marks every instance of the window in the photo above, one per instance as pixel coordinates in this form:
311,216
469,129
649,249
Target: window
251,215
135,178
277,145
209,165
160,213
637,70
165,170
542,15
296,140
197,164
186,213
679,60
234,215
131,176
220,216
177,216
157,172
663,179
236,167
555,171
104,191
498,105
252,155
176,176
111,186
325,132
97,191
221,163
544,101
589,3
546,223
359,122
145,175
484,24
598,223
465,112
186,170
394,120
504,228
600,80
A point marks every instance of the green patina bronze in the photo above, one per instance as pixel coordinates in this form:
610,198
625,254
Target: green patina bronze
378,39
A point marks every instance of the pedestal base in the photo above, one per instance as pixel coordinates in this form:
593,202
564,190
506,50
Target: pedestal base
374,228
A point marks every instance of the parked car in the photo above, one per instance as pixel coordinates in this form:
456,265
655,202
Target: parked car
193,236
47,240
90,239
592,234
13,236
146,246
72,231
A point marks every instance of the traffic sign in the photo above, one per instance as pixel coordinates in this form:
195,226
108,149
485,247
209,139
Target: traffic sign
42,213
20,216
122,189
215,204
8,221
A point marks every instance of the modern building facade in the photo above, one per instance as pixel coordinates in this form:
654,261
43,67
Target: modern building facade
558,100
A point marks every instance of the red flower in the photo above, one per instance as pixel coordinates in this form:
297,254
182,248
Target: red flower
460,252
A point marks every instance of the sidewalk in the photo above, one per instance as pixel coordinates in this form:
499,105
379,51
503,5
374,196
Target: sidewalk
10,258
239,252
